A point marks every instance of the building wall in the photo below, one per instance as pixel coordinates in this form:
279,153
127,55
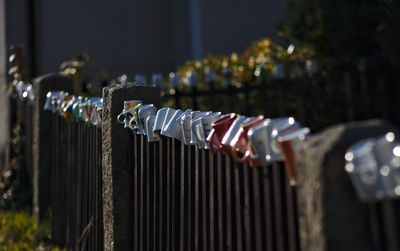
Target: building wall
148,36
3,78
231,25
121,36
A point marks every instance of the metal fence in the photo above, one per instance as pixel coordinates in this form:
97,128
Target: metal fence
184,198
76,185
188,199
355,94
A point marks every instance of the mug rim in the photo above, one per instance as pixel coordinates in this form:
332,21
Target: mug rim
223,119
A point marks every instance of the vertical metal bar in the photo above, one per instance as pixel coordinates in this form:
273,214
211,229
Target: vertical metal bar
291,202
96,191
163,193
390,225
268,221
189,209
238,209
135,194
246,207
174,165
212,204
204,197
257,208
196,198
279,208
349,96
228,189
100,178
220,203
142,231
156,194
149,199
79,184
168,188
182,204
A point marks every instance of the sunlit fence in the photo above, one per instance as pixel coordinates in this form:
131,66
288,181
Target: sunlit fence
108,188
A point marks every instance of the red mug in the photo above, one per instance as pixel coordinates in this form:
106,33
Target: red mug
285,139
220,127
242,144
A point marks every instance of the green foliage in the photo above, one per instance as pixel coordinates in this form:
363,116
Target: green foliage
262,54
20,231
345,30
14,188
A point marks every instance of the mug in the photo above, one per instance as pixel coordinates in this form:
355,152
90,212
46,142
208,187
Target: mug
151,136
128,116
264,136
95,119
196,115
127,105
239,142
230,134
90,107
220,128
185,122
143,113
160,117
288,139
206,122
198,132
48,106
364,171
134,122
171,127
387,156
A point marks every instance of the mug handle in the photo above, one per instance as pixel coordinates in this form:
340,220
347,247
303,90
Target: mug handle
289,159
130,123
119,118
235,155
213,136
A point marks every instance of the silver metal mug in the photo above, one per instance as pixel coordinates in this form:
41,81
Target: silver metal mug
262,138
196,115
364,171
128,104
207,121
387,156
171,127
159,121
198,132
143,113
151,136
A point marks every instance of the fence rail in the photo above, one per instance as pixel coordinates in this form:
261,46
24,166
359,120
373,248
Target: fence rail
76,184
185,198
188,199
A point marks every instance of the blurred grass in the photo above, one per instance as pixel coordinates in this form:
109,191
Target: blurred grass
21,231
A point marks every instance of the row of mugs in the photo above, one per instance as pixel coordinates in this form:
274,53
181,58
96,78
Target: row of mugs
80,108
374,167
257,140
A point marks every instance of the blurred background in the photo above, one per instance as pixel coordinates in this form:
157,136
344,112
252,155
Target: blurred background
323,62
131,37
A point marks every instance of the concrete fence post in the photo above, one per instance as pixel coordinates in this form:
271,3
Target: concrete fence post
41,139
117,173
331,216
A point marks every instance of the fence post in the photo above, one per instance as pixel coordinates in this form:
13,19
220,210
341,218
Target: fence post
117,171
41,139
331,217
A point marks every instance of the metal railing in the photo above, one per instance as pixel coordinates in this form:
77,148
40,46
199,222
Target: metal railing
188,199
184,198
76,184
